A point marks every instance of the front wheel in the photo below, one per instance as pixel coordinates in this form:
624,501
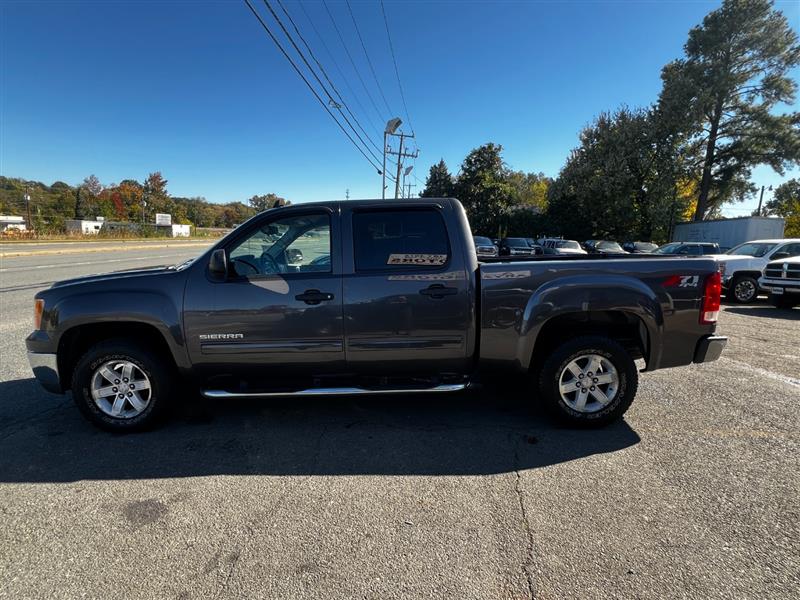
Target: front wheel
744,289
121,386
588,381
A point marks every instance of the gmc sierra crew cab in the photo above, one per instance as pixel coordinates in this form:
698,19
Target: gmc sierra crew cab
365,297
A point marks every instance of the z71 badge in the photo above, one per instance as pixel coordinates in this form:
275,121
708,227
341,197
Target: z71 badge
683,281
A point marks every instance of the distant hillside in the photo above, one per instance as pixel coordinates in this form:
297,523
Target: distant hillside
130,200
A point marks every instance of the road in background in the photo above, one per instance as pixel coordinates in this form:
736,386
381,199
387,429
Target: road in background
467,496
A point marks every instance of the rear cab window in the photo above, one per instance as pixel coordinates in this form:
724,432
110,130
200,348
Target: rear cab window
399,239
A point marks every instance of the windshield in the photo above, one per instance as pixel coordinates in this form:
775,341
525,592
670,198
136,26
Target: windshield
751,249
520,242
645,246
667,248
483,241
568,244
613,246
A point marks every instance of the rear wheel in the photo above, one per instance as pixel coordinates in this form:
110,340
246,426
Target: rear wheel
121,386
588,381
782,301
744,289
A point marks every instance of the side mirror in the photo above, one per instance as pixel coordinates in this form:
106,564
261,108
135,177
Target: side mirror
218,265
780,255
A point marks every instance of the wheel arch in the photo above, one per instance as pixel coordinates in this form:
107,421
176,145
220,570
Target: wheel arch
77,340
621,308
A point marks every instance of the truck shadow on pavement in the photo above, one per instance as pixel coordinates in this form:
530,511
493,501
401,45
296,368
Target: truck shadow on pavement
44,439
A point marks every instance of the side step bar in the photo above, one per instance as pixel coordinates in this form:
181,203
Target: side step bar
343,391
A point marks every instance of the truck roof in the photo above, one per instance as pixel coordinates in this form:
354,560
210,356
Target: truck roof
365,202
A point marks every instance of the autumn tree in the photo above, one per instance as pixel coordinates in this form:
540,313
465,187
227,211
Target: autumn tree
736,70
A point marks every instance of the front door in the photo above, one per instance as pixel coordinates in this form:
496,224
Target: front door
278,315
408,302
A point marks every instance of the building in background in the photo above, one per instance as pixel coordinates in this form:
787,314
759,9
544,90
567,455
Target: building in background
730,232
84,226
12,223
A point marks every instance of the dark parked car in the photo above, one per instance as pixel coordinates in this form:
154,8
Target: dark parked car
691,248
484,246
640,247
388,298
515,247
606,247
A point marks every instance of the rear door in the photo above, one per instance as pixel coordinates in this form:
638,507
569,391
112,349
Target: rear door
408,302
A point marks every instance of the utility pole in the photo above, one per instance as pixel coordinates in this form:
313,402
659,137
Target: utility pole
401,154
347,194
409,185
28,206
761,198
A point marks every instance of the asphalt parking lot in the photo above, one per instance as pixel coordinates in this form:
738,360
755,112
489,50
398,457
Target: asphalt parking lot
477,496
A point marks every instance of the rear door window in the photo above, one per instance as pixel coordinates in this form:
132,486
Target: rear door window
399,239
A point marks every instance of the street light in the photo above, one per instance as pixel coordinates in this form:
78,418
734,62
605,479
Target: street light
391,127
405,173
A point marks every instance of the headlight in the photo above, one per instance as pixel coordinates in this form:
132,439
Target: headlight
38,309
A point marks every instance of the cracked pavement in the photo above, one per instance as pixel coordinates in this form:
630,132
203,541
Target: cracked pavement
477,495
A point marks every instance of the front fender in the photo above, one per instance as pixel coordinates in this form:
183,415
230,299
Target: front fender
582,294
146,307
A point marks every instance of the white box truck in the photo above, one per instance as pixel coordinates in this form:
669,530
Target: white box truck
729,232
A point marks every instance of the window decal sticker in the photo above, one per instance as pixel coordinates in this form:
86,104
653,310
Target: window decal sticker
417,259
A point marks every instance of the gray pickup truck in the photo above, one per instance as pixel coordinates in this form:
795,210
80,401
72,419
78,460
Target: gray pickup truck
366,297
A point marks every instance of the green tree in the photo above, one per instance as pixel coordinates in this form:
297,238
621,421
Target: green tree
785,203
267,201
736,70
439,183
483,189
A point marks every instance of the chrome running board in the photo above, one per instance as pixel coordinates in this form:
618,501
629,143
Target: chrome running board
343,391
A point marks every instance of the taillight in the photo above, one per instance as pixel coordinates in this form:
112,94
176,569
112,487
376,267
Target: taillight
38,309
712,295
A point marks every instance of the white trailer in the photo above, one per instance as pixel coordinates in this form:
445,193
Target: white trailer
729,232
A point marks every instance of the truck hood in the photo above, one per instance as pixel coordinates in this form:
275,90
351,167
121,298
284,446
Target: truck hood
126,273
794,260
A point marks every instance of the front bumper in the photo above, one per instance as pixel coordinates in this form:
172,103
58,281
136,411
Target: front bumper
709,348
45,369
780,286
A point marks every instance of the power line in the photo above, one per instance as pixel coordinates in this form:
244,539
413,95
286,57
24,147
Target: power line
352,62
319,81
310,87
338,68
396,71
369,62
325,74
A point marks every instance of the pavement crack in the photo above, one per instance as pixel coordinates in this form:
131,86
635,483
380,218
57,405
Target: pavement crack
527,566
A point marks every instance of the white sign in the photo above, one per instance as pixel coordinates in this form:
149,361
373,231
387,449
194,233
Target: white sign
163,219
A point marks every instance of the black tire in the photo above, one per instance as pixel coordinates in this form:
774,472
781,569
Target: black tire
745,281
152,364
782,301
621,360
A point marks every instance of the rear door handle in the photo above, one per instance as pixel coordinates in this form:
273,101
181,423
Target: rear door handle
314,297
437,290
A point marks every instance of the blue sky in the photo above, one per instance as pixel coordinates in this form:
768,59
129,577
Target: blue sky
198,91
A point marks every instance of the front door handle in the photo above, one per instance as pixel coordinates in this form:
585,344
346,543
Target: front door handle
437,290
314,297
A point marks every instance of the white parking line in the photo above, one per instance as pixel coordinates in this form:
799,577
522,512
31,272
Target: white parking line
760,371
94,262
